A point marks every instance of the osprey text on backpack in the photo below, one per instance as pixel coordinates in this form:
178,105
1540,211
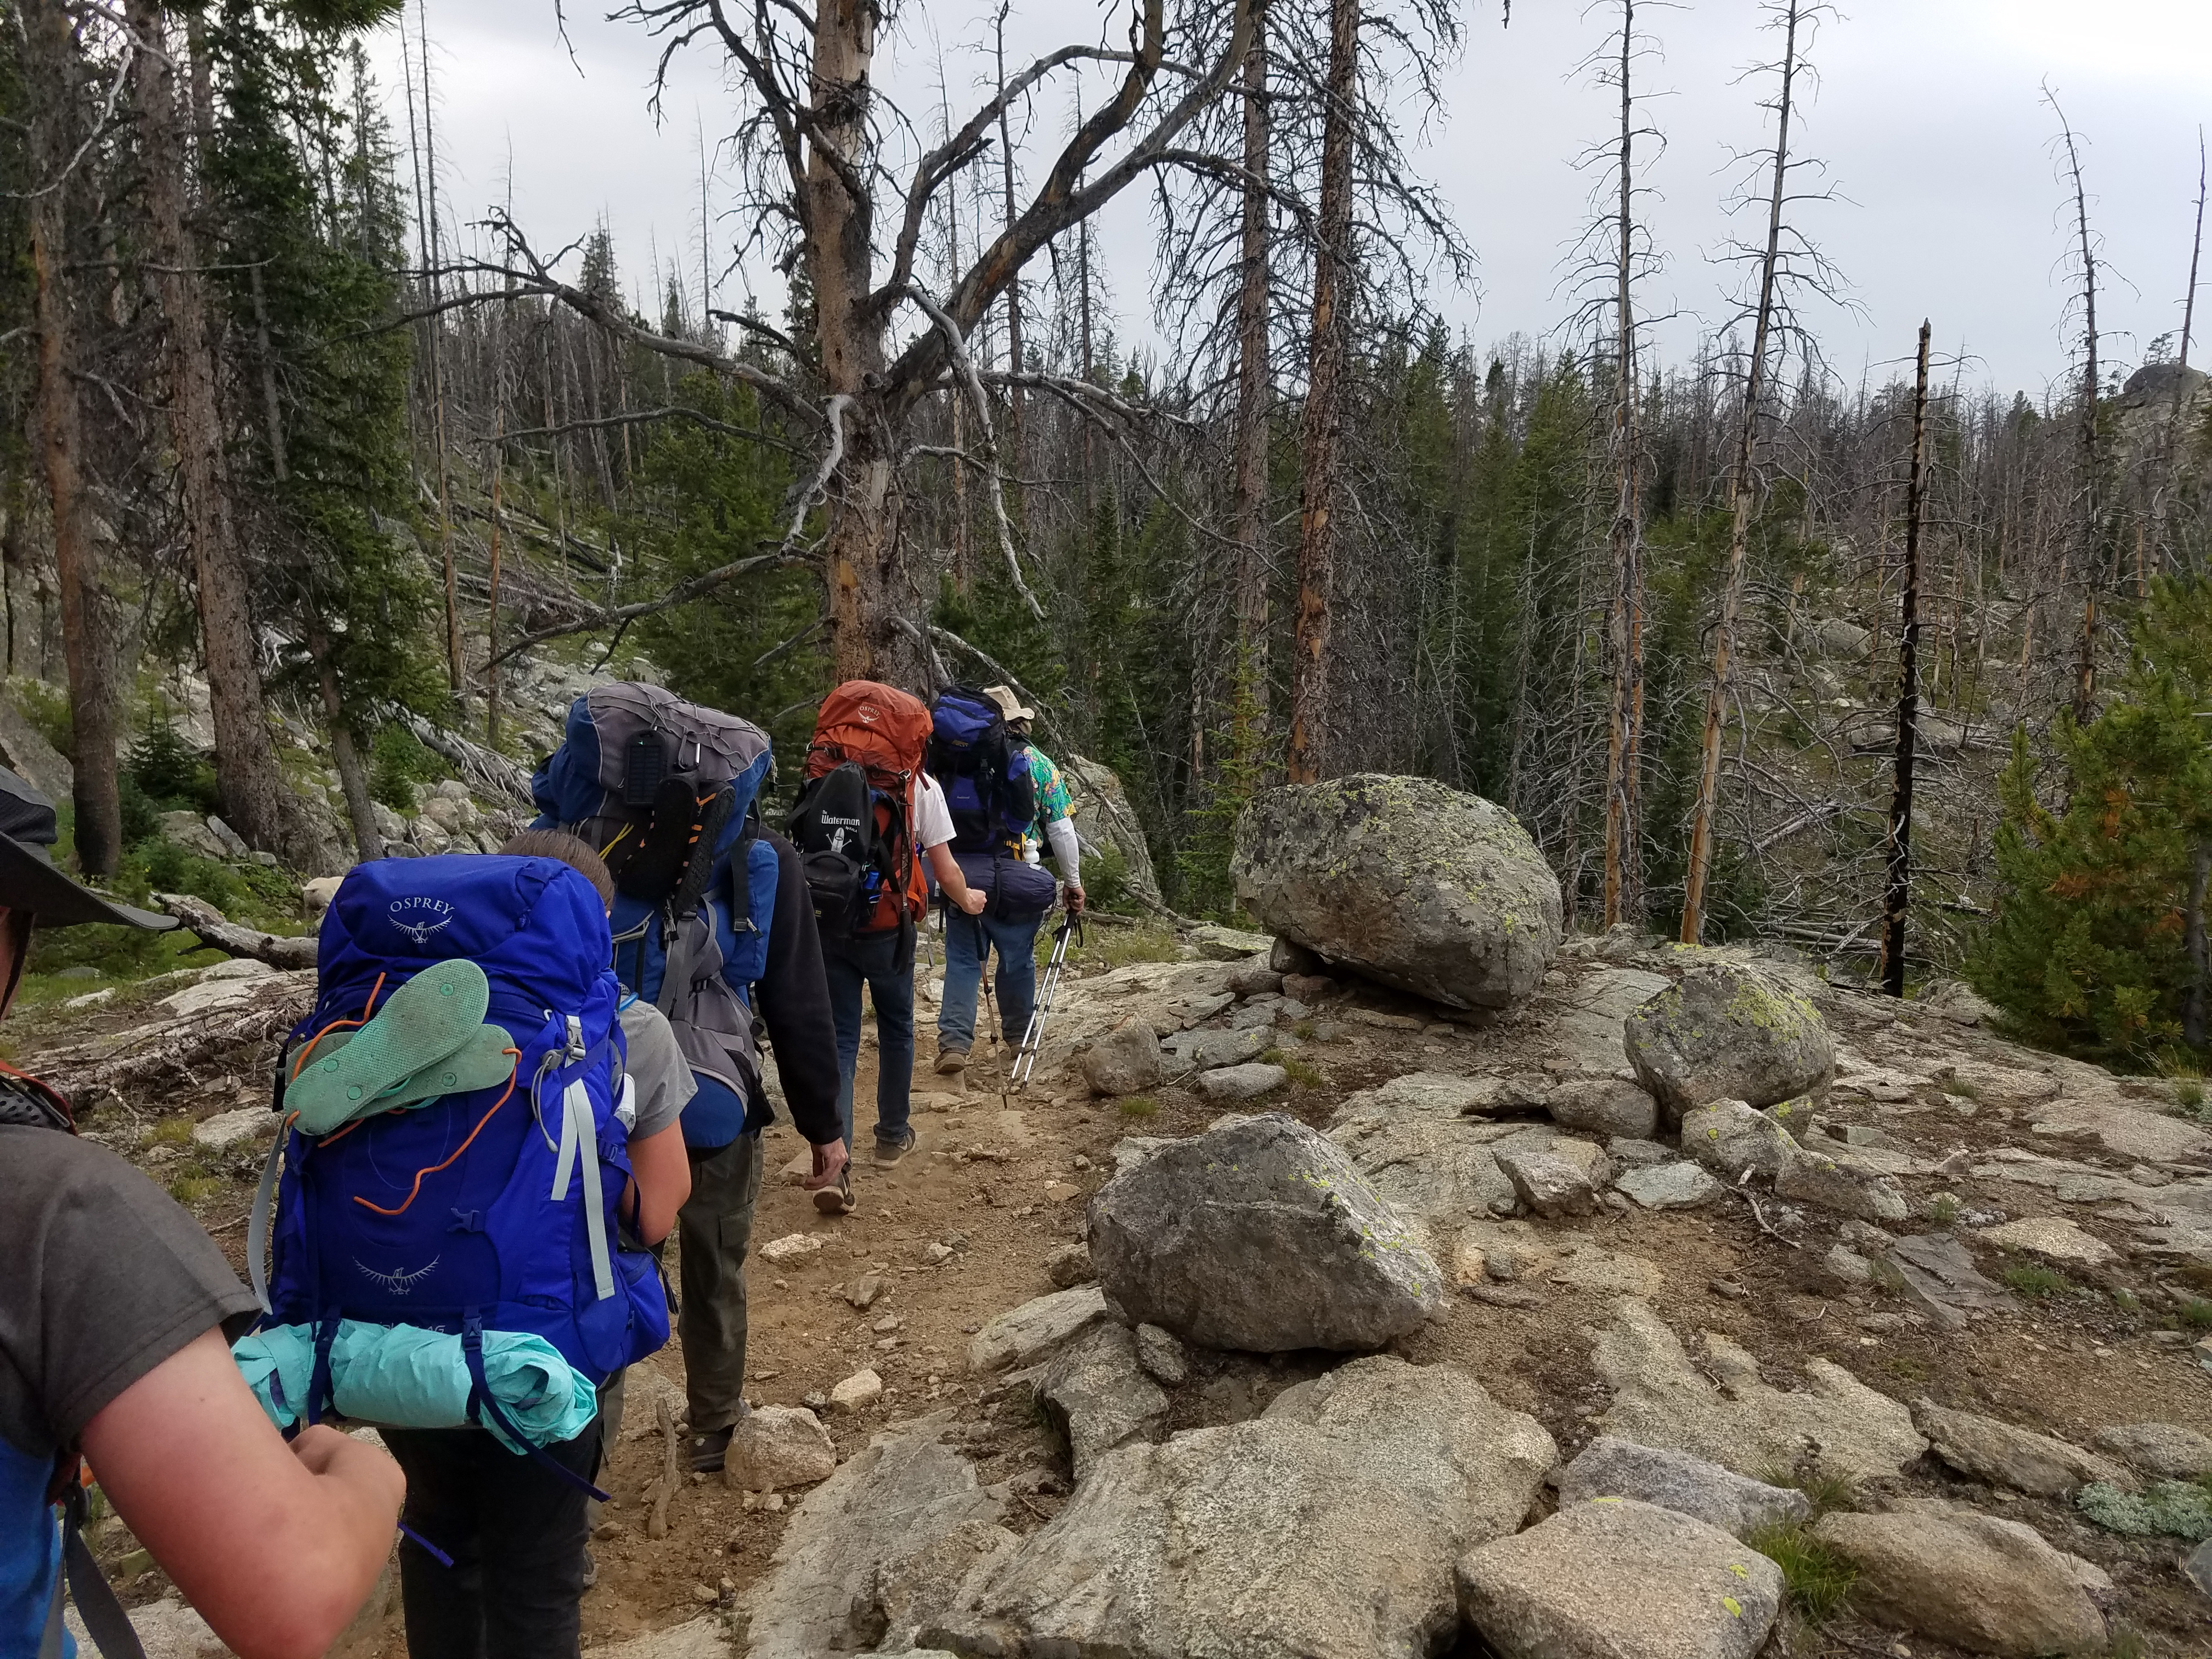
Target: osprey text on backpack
479,1227
666,791
866,878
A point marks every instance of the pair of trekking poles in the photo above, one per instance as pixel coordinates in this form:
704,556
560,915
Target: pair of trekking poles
1025,1056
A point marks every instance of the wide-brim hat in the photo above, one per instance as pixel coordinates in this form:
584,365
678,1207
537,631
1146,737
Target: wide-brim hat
1012,707
30,880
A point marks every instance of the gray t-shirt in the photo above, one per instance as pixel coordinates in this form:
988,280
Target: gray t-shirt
106,1278
663,1076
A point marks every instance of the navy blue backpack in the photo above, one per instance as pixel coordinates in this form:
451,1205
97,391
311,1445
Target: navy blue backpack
984,770
666,791
495,1210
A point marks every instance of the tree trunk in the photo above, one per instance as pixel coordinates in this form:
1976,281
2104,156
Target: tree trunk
1898,903
1624,862
1743,489
2092,527
1320,440
2200,962
87,630
353,777
1254,386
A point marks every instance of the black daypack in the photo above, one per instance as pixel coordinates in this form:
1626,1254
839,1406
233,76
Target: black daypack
834,827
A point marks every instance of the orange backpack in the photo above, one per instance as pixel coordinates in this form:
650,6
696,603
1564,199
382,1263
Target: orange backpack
883,730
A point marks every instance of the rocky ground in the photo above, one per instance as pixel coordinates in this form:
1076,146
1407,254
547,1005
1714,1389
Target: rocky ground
1935,1338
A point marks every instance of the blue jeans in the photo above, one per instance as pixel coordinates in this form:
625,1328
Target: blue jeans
872,960
969,940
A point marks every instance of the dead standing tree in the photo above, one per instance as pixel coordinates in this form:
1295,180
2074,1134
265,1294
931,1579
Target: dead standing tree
874,345
1777,266
2089,527
1896,904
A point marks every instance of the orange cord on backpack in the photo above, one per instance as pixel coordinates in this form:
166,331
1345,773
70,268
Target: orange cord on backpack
306,1051
414,1192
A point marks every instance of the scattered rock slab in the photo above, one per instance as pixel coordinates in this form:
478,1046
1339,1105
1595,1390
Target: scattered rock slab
1431,1165
1547,1183
1412,882
2053,1237
2165,1449
857,1392
1325,1528
1841,1182
2198,1569
1731,1136
1609,1467
1682,1186
1069,1266
790,1248
1253,979
1126,1060
775,1446
1207,1051
1728,1032
1261,1234
1231,1084
703,1638
1940,1277
1023,1335
1604,1106
2006,1456
1165,1359
1974,1580
1219,944
1837,1423
880,1548
1098,1394
227,1129
1612,1578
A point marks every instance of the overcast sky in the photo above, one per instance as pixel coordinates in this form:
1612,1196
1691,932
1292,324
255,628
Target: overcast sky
1928,113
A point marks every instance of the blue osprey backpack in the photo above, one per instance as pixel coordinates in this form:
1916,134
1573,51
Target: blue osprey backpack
666,791
984,770
491,1211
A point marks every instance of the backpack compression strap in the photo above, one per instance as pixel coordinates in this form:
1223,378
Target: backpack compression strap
483,1405
580,1152
105,1621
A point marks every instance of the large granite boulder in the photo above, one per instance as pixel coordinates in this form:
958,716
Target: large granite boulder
1409,881
1326,1529
1259,1233
1977,1581
1728,1032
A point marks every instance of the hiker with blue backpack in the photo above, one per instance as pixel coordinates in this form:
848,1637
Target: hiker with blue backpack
711,924
1001,789
116,1310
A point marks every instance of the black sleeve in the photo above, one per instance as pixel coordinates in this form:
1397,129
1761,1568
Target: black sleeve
795,997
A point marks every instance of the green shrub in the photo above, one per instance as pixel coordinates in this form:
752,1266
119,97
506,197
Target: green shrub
1819,1579
2197,1313
1106,883
1138,1106
2033,1278
2170,1509
47,709
400,762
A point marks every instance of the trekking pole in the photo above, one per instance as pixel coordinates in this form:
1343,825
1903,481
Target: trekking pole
1025,1059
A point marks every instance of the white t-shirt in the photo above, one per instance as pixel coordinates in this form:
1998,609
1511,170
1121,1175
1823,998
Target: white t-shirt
933,819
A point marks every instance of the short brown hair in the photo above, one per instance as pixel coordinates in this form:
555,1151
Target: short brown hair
572,850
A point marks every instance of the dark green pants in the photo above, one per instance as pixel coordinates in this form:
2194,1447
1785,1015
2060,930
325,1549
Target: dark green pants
714,1229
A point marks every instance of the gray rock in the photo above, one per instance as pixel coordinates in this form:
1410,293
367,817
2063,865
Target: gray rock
1259,1235
2165,1449
1125,1061
1219,944
1287,956
1098,1395
1608,1468
1432,1166
189,830
703,1638
1726,1413
1974,1580
1729,1136
1604,1106
1251,979
1413,884
1547,1183
1246,1082
1069,1266
2005,1455
881,1547
1940,1277
2199,1567
1614,1578
1028,1333
1165,1359
1839,1181
227,1129
1253,1015
1326,1529
1631,1154
1847,1264
1726,1032
778,1446
1207,1051
1670,1185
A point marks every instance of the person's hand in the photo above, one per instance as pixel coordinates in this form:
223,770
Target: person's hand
325,1451
1071,894
830,1160
971,901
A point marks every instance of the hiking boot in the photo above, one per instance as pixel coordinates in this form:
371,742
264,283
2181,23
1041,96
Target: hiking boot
837,1199
951,1062
708,1450
889,1152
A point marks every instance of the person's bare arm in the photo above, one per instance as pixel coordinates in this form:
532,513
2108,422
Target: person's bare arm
662,1171
276,1545
947,871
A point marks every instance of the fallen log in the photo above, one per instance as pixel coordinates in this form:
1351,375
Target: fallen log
212,928
178,1044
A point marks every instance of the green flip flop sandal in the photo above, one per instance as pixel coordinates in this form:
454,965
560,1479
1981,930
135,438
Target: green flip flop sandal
432,1015
480,1063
